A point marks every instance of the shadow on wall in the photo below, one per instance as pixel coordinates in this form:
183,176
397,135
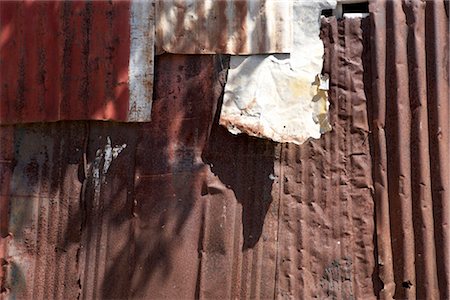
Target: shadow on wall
245,165
153,202
157,231
167,199
140,229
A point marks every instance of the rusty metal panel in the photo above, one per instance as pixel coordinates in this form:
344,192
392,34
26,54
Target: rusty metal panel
325,246
181,208
410,138
143,224
6,168
44,220
225,26
76,60
162,223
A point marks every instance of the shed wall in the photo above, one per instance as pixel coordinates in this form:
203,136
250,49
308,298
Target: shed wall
179,207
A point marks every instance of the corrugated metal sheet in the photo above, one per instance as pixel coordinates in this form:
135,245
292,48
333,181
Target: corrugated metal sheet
44,220
143,227
236,27
227,26
326,218
410,138
187,210
93,60
76,60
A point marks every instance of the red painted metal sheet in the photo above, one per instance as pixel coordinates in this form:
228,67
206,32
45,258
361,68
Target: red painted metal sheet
64,60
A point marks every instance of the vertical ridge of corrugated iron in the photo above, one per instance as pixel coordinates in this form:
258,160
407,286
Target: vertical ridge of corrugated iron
410,128
43,217
327,212
64,60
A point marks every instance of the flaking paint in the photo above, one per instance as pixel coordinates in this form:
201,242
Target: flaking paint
281,97
227,26
142,43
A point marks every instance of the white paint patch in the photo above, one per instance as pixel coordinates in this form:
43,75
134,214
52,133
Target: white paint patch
282,97
140,77
107,155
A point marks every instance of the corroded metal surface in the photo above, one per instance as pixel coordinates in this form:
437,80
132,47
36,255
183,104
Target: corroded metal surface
181,208
44,220
185,209
410,138
325,245
6,168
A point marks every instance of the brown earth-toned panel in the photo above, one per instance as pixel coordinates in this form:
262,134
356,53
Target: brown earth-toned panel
143,213
326,240
170,176
409,138
438,98
106,255
213,238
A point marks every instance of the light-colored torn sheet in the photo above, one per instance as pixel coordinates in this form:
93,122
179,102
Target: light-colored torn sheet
282,97
223,26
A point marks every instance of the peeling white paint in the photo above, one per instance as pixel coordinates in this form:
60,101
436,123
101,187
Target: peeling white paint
111,153
282,97
140,77
107,155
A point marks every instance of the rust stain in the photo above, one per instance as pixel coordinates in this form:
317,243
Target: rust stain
410,127
187,210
